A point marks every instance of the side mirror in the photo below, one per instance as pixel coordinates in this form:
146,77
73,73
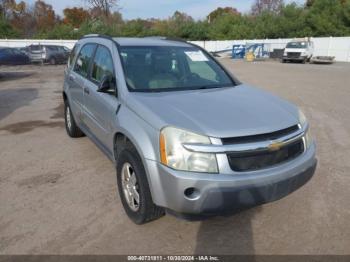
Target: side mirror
107,85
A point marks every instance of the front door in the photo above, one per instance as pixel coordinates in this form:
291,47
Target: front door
100,108
76,79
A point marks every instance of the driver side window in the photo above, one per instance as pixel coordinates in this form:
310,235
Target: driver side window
102,65
82,63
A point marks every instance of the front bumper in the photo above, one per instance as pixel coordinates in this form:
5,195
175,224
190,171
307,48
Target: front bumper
221,193
300,58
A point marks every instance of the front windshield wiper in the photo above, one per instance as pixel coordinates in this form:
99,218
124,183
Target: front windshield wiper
207,87
172,89
212,86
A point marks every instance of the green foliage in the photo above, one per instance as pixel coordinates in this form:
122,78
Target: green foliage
6,30
220,12
134,28
327,17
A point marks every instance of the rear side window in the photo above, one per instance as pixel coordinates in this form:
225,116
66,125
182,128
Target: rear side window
83,59
52,48
102,65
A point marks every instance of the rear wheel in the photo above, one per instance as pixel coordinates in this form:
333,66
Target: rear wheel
71,127
134,189
52,61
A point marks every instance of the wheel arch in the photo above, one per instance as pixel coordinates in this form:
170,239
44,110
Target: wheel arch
123,139
64,96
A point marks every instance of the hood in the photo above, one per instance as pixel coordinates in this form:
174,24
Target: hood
219,112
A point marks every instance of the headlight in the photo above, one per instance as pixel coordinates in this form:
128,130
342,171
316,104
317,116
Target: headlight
308,138
302,119
174,155
303,123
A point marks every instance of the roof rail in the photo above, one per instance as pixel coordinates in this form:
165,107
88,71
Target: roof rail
155,37
97,35
166,38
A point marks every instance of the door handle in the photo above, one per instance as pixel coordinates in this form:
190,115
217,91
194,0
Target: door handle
86,91
72,78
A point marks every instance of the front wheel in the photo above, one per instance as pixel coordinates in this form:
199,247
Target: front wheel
134,189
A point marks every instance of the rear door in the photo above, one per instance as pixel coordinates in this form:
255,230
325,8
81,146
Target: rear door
63,54
59,54
76,78
100,108
5,56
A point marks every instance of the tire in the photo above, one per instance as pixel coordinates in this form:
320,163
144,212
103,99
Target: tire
143,210
71,127
284,61
52,61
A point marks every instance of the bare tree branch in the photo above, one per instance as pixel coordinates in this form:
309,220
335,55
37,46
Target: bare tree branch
103,6
273,6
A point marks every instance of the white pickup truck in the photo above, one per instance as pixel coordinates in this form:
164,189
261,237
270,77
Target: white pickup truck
301,51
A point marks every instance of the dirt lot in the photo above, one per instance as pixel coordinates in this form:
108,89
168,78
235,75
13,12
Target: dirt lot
58,195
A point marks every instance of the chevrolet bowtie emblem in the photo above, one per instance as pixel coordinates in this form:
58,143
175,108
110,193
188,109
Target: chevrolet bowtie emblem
275,146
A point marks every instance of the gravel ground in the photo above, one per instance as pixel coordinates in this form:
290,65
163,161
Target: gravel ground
58,195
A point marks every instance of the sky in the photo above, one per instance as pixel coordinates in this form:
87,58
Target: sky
131,9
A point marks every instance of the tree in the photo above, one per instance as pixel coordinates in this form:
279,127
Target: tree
75,16
309,3
327,17
220,12
6,30
270,6
346,13
292,22
178,23
105,6
23,20
10,7
44,16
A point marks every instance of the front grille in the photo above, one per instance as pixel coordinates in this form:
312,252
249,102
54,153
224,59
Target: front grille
261,137
251,161
293,54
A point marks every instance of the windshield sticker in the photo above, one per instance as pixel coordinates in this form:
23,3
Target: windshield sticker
196,56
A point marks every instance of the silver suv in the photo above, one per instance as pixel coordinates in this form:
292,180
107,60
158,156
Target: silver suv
186,136
52,54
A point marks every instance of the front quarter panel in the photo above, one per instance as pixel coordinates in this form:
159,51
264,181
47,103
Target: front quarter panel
145,138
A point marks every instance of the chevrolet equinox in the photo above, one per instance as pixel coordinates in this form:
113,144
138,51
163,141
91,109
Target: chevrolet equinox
185,135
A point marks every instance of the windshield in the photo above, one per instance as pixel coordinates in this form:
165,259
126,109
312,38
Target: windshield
166,68
296,45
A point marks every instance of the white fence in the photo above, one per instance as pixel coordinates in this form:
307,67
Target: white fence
25,42
324,46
